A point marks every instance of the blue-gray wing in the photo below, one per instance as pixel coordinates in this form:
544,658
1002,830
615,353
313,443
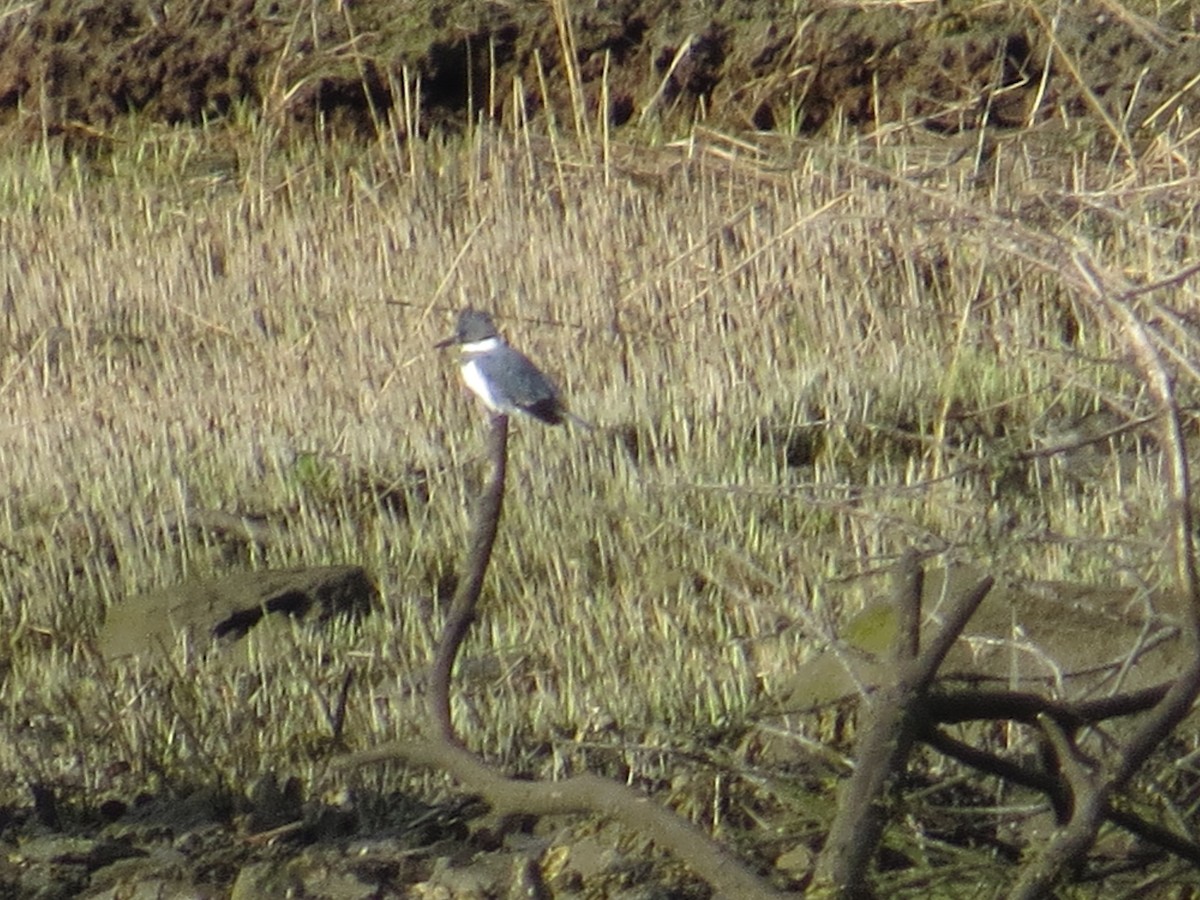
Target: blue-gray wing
518,384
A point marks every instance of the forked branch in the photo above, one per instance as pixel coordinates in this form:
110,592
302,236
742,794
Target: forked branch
1091,800
443,749
892,719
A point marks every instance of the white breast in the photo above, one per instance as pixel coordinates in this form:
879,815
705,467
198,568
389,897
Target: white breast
479,386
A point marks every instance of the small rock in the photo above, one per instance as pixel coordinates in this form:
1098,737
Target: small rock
150,625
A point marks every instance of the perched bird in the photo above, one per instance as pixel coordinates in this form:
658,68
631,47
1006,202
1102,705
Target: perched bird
503,378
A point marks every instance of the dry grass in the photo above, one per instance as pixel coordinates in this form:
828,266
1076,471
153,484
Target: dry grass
801,361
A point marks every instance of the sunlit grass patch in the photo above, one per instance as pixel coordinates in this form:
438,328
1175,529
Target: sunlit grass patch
799,364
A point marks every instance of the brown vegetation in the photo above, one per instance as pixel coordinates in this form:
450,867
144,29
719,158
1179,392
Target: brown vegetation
77,66
803,358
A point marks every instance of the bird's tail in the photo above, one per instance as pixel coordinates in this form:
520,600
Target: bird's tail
579,420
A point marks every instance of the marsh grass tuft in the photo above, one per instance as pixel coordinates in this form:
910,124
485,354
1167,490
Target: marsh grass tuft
799,362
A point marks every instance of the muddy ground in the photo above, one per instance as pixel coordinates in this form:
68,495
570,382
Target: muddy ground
76,68
79,66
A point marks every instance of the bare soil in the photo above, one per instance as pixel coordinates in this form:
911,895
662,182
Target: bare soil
78,66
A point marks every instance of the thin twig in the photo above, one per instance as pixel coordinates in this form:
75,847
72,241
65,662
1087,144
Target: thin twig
1070,845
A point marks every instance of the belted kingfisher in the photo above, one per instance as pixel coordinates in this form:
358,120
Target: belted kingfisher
503,378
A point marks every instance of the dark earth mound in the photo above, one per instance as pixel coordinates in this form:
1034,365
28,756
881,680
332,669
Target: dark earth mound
78,66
